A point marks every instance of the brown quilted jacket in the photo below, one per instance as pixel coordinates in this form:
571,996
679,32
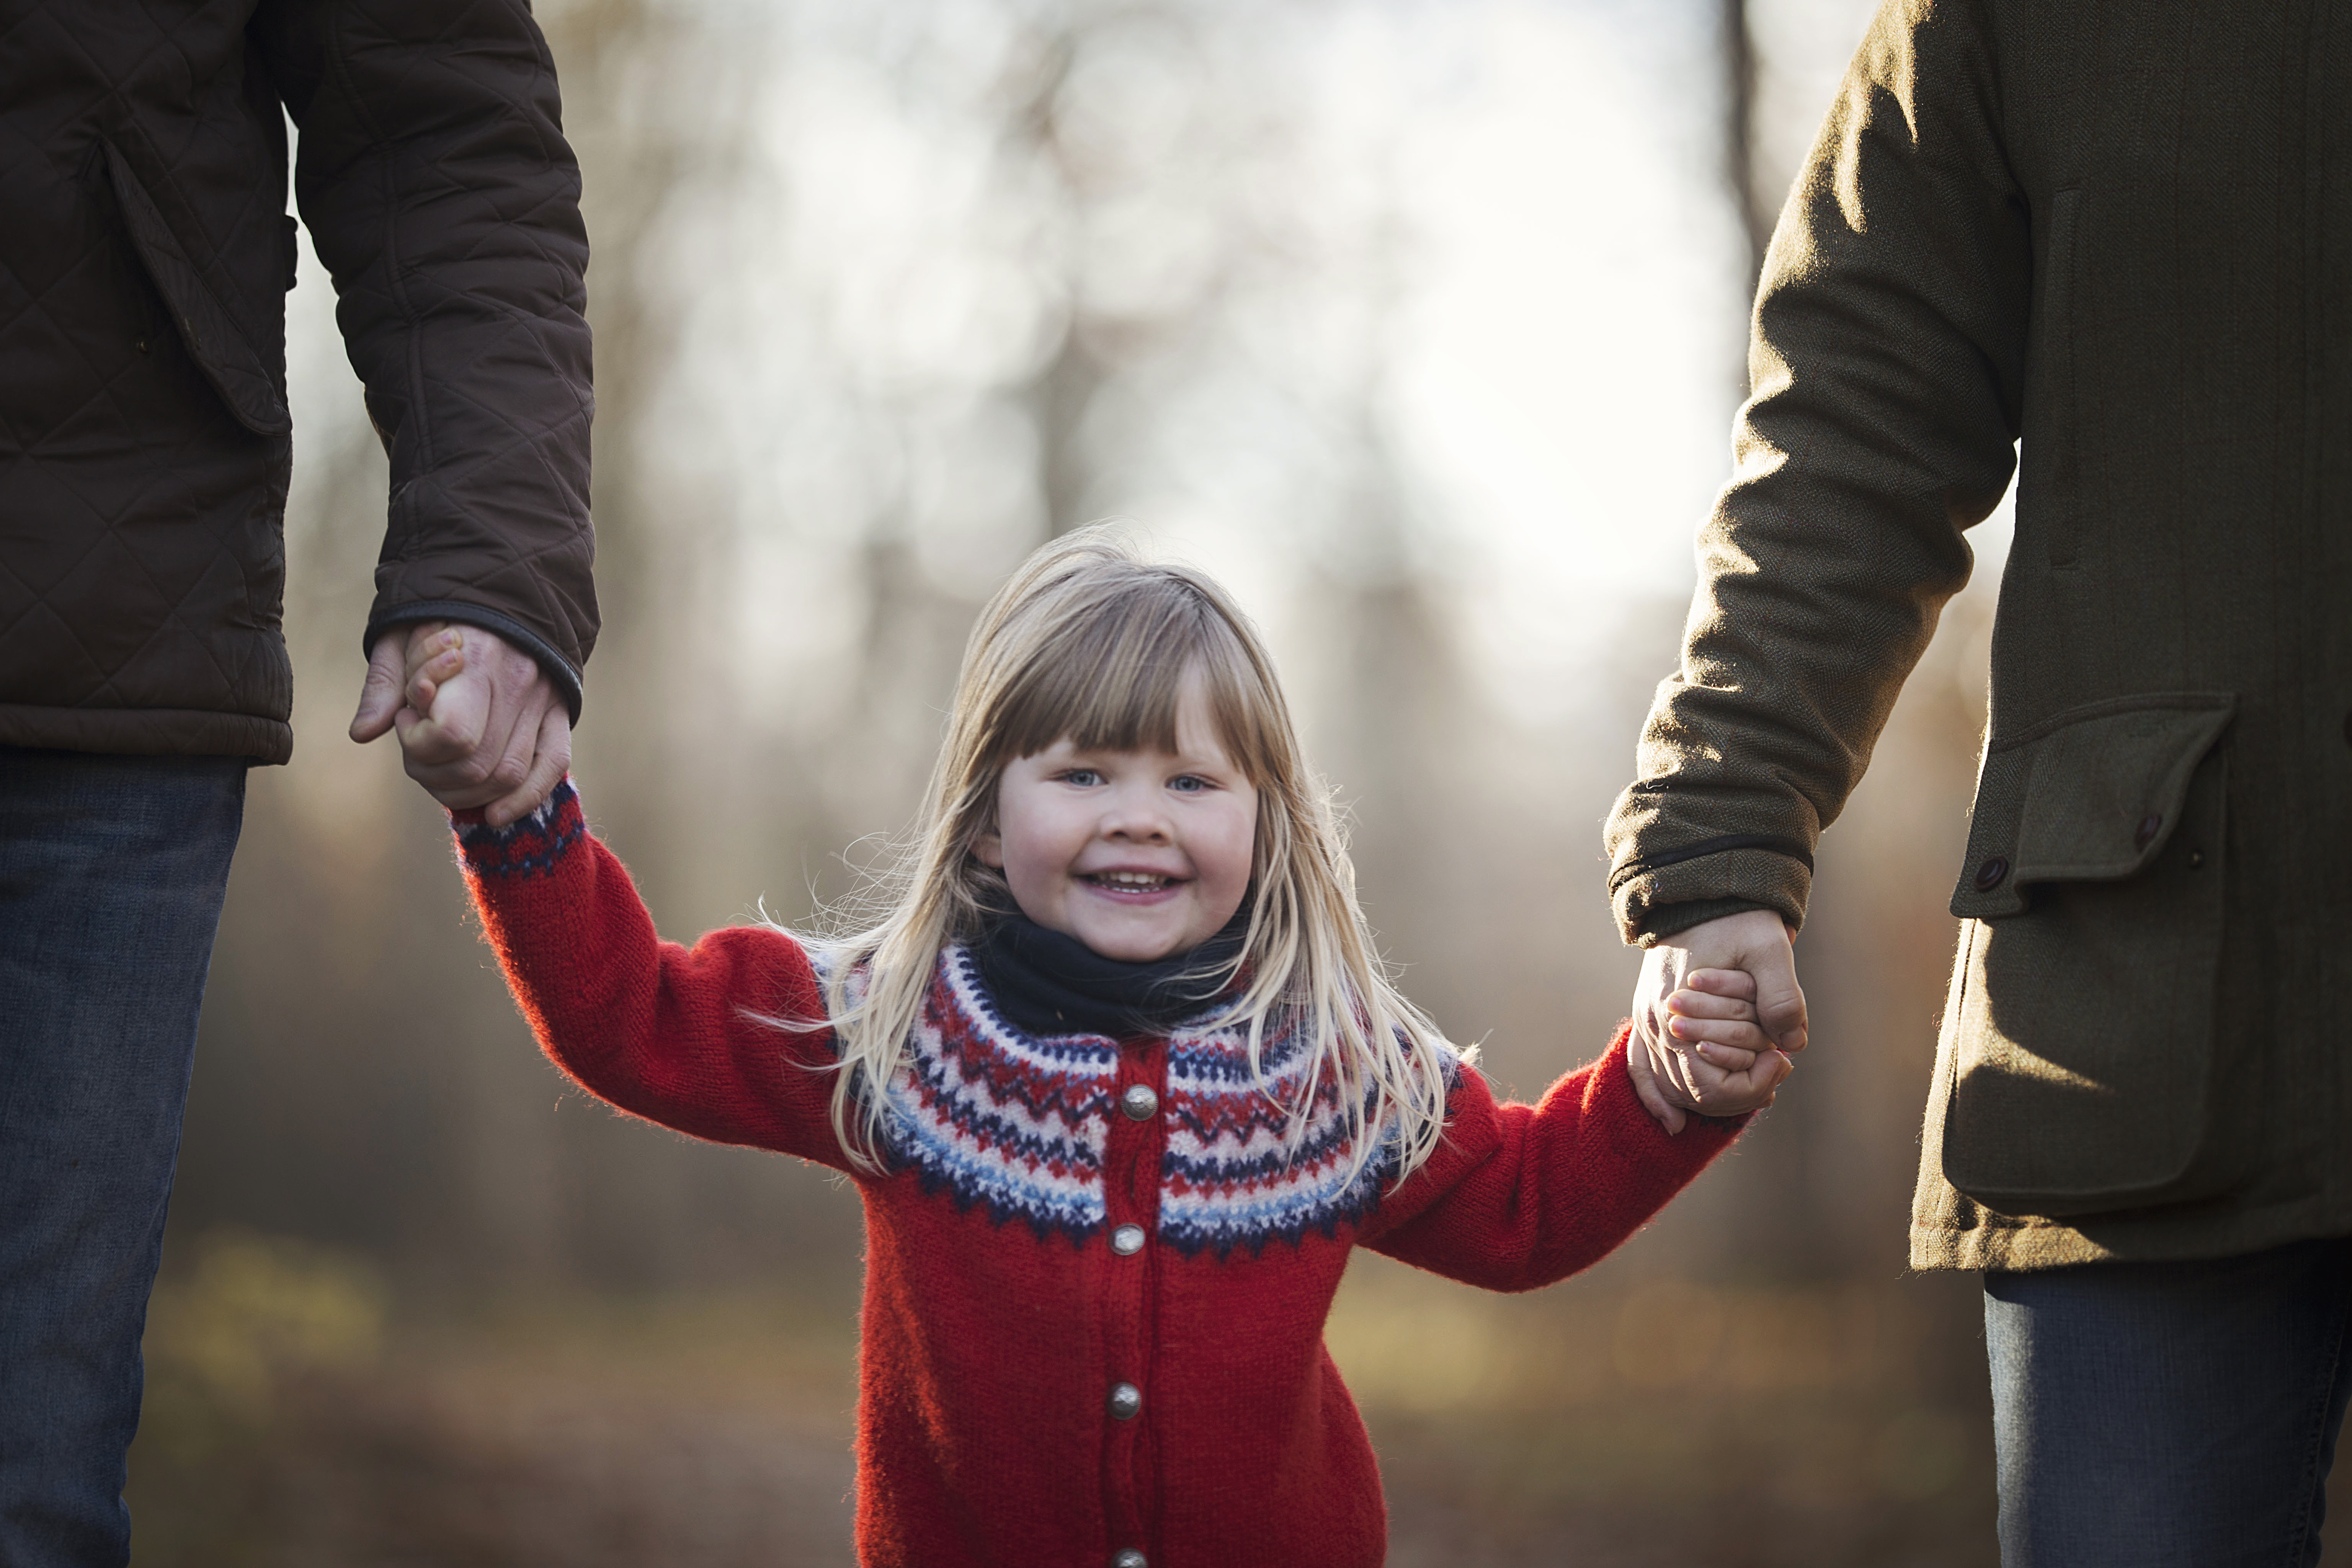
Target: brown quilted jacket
145,256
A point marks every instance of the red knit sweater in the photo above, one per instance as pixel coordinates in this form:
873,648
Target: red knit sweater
1095,1287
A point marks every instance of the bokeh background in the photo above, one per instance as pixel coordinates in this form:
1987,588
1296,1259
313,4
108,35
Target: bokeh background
1419,321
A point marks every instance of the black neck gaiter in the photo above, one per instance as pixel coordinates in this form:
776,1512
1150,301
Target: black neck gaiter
1046,983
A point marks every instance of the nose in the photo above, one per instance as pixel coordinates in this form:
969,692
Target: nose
1135,814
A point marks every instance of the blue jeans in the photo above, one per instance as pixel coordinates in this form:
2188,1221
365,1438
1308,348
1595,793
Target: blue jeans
2169,1414
112,872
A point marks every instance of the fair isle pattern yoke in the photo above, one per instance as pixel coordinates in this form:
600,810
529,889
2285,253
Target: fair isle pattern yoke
999,1120
1019,1123
1236,1174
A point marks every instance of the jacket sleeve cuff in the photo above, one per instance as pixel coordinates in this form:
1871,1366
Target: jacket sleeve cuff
1673,892
1672,919
559,670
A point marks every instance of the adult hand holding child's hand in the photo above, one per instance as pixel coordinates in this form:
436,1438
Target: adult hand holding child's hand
1717,1014
480,724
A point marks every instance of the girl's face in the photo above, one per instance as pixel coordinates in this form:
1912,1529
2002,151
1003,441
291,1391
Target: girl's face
1139,855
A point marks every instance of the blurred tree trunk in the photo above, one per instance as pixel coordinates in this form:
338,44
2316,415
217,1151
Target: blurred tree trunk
1058,396
1757,217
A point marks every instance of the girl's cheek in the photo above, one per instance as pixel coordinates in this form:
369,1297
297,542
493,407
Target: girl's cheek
1244,855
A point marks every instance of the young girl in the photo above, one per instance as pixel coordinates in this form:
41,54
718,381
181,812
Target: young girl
1120,1081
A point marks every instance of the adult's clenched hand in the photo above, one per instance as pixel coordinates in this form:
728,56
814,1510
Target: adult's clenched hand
1660,1062
496,734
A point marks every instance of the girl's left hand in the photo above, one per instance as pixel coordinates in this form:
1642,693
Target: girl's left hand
1731,1067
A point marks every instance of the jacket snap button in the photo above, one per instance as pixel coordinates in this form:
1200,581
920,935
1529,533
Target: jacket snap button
1140,1102
1126,1240
1127,1557
2149,826
1126,1401
1991,874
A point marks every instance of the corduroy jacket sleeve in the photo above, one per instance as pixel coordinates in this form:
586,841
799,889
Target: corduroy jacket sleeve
1523,1195
693,1040
436,182
1887,364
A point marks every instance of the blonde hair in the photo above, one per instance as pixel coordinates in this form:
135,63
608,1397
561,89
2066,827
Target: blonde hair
1089,641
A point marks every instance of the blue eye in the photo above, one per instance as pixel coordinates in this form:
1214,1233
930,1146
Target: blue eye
1082,776
1190,783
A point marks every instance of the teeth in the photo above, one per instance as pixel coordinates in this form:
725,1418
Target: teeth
1130,879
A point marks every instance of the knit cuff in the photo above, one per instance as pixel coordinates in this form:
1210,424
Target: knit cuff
533,846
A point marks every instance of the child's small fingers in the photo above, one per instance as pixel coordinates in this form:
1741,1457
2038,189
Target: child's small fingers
441,666
422,688
1736,1092
447,642
1748,1038
1710,1041
426,647
1745,1035
1736,982
427,678
1701,1005
1728,1059
1763,1079
435,671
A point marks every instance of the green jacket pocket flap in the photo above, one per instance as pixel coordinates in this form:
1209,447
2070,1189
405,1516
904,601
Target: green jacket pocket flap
2091,794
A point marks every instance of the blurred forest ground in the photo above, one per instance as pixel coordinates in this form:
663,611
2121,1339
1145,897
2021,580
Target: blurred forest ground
423,1305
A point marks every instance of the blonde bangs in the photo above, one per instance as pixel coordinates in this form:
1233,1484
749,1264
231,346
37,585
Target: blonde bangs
1108,672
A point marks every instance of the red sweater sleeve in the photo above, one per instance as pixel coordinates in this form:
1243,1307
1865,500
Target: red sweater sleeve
671,1034
1522,1196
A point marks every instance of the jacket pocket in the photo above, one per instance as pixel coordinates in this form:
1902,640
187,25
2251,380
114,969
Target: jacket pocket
2082,1026
219,347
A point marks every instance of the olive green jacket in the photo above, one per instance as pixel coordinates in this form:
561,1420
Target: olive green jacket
2120,231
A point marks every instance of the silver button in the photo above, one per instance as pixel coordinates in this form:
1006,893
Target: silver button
1127,1557
1126,1240
1126,1402
1140,1102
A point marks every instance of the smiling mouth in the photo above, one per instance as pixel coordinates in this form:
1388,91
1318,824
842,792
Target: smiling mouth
1128,881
